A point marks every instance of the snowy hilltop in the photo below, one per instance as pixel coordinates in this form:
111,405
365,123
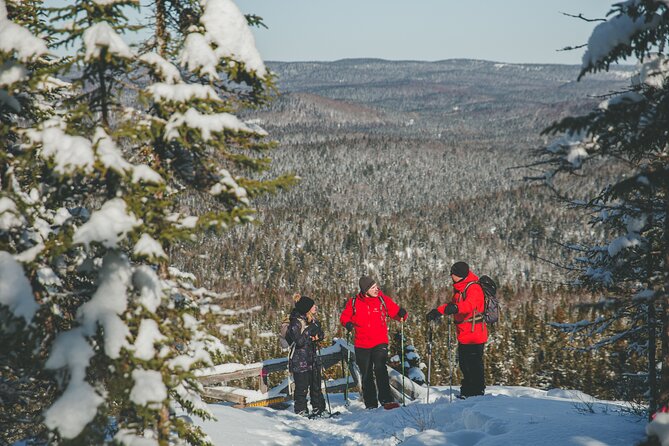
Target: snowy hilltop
504,416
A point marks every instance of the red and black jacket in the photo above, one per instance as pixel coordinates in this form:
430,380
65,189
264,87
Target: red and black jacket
469,318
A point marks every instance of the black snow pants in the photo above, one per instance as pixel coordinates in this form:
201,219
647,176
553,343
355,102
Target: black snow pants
470,357
372,364
309,382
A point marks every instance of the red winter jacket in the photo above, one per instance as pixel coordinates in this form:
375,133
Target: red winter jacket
471,306
369,320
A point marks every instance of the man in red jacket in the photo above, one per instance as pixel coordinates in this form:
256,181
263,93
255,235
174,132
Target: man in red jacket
367,313
467,308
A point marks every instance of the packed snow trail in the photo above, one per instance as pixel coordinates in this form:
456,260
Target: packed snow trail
504,416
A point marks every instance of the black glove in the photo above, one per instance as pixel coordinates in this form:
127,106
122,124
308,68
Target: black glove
451,308
401,313
349,326
315,330
433,315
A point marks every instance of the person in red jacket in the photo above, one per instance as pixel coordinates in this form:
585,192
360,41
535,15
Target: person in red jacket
367,313
467,308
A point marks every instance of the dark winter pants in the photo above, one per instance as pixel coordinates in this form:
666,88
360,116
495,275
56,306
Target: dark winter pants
308,382
372,364
470,357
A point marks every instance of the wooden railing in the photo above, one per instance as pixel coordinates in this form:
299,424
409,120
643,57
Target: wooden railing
215,379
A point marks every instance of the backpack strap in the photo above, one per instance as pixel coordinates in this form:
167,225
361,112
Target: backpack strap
464,292
383,303
477,318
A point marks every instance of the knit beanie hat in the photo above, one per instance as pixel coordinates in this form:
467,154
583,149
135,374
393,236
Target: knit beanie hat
303,303
365,283
460,269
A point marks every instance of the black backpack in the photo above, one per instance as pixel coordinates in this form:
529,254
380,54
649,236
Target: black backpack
490,301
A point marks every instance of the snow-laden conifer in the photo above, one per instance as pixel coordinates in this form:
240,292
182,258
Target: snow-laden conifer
98,176
626,136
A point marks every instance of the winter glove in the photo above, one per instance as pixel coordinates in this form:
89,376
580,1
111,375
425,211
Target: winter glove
451,308
402,314
349,326
315,330
433,315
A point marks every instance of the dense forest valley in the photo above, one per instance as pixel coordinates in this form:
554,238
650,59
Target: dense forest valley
405,168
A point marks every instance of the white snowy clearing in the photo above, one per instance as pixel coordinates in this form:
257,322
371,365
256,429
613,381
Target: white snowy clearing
504,416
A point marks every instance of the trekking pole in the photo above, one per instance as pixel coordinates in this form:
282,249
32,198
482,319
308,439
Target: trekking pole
327,395
450,363
429,358
402,325
348,367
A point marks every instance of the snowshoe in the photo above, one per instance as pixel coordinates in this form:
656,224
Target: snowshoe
324,414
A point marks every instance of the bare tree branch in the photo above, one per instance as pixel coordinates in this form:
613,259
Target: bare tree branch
580,16
569,48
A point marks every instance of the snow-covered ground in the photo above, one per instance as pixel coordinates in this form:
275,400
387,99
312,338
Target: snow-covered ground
504,416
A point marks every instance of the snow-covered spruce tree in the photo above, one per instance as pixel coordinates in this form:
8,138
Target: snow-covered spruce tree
96,193
412,367
628,135
24,386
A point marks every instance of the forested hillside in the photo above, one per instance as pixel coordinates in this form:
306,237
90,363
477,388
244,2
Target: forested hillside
405,168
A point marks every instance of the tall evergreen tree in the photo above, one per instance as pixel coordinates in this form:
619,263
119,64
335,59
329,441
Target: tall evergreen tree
626,134
135,157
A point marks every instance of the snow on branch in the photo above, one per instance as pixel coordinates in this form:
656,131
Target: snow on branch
15,290
167,72
182,92
615,32
109,154
108,226
149,247
101,35
10,216
109,301
197,56
228,184
206,124
17,39
227,28
69,153
77,406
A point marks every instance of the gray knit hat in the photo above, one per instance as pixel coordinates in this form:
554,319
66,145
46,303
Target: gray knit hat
365,283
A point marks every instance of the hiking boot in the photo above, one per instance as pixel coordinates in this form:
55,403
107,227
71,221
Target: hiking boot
303,413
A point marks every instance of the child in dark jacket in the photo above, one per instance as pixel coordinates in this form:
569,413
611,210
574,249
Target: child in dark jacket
304,332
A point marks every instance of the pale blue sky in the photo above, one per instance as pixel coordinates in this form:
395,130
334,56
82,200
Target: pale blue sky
516,31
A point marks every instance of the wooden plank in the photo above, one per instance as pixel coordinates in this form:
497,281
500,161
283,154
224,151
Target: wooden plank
223,395
339,388
280,365
220,378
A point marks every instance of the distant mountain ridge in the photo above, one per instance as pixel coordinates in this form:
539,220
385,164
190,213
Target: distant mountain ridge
468,96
